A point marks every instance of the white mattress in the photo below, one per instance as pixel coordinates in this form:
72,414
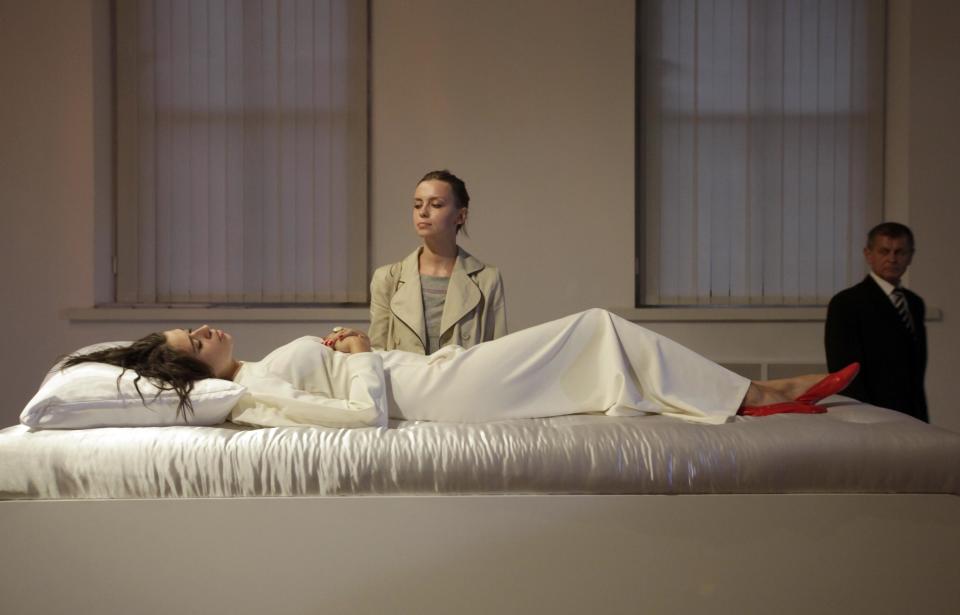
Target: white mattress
853,448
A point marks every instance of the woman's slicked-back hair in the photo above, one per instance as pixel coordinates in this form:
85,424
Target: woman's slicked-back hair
456,184
152,358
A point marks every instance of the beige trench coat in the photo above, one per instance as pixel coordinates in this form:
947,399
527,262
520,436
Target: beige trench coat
474,310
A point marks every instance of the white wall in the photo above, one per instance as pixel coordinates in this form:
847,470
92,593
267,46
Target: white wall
46,185
530,101
931,177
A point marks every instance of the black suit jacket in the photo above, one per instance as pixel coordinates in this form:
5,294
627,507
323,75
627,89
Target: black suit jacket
863,325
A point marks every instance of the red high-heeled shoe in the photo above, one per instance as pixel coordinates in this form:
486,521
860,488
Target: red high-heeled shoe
832,384
783,407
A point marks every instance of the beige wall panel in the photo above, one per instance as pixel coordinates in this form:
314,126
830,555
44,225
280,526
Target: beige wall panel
934,160
532,104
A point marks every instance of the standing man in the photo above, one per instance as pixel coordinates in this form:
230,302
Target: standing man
880,324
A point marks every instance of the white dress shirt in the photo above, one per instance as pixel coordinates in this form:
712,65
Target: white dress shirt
887,287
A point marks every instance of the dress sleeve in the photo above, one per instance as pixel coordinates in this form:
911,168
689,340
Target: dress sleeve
380,287
279,403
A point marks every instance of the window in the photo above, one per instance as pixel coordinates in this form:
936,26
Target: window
760,142
241,151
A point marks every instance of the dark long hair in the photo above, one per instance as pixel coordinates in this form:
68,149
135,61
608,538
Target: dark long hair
152,358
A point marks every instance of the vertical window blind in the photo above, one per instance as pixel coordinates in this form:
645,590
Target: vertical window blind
241,151
760,129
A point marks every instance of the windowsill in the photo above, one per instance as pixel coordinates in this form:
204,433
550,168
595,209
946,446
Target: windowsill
199,313
181,313
701,313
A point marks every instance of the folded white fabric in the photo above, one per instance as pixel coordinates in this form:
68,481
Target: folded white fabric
89,395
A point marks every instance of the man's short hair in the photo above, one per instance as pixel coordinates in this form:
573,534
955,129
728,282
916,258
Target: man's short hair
893,230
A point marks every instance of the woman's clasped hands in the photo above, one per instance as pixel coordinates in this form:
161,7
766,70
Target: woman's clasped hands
344,339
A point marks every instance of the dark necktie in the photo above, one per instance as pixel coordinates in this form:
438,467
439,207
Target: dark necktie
900,302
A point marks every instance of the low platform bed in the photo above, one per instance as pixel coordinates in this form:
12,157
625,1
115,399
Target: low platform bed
853,511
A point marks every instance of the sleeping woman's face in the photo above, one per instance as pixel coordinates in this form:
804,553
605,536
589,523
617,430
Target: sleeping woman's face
212,347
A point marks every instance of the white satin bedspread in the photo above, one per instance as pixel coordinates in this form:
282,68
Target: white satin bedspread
853,448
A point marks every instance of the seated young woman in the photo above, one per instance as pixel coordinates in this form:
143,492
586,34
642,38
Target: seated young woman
589,362
439,295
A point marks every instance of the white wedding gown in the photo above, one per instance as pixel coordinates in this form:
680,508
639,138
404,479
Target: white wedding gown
593,361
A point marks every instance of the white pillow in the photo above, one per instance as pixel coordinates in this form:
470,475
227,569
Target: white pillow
86,395
85,350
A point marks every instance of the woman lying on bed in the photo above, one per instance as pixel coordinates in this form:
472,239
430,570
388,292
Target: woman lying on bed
593,361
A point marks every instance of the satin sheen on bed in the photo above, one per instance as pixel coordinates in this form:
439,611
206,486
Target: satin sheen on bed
852,448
